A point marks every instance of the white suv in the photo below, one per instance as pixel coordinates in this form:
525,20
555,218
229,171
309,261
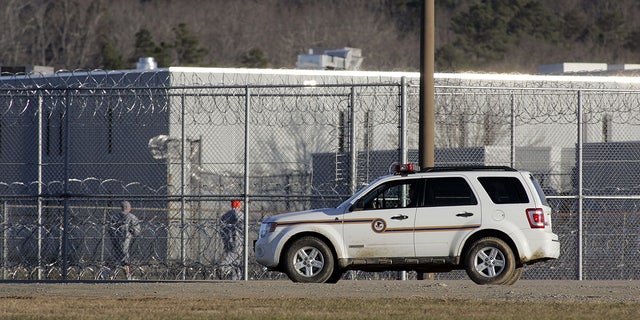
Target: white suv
490,221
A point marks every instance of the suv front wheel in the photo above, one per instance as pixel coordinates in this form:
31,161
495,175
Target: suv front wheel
310,260
490,261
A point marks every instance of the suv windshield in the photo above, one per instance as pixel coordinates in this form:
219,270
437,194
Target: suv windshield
389,195
350,200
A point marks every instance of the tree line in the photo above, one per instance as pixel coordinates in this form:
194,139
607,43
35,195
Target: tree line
471,35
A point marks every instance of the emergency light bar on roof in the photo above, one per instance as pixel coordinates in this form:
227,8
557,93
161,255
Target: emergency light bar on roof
469,168
406,168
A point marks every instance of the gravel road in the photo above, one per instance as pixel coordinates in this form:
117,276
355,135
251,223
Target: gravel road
523,290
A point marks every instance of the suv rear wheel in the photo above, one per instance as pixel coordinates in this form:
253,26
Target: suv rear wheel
491,261
310,260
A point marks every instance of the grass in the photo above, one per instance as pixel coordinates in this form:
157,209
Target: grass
140,307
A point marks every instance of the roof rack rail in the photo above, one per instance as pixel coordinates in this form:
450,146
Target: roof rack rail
468,168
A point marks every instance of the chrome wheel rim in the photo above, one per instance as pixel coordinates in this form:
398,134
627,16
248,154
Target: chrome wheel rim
308,261
489,262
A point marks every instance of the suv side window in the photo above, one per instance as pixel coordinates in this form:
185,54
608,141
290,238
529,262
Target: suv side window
453,191
504,190
389,195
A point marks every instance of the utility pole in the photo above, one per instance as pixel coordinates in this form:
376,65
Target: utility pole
427,94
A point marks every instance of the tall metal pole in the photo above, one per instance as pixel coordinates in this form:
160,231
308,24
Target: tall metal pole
352,142
40,230
579,182
5,241
427,87
404,149
65,193
183,179
513,131
245,255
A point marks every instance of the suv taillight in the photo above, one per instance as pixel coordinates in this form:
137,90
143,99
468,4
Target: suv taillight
536,218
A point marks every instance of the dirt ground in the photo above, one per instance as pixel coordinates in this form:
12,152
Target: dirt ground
523,290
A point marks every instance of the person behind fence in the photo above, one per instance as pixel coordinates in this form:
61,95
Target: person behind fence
232,223
125,226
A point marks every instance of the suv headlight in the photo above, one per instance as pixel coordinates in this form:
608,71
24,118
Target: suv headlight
267,227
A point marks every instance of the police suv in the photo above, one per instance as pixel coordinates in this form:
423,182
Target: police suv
489,221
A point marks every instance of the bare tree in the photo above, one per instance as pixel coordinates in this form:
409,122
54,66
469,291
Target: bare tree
11,31
23,35
68,34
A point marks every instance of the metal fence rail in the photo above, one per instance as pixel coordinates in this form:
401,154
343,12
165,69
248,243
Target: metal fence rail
73,146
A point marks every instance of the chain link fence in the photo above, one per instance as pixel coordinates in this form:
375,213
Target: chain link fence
180,144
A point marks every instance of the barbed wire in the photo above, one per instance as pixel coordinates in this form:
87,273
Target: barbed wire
142,94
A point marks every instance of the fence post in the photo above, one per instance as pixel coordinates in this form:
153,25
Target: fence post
404,151
513,131
5,243
65,192
39,204
182,195
245,256
352,141
580,195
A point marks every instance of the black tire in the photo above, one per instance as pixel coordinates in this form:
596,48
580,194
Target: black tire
336,276
309,260
490,261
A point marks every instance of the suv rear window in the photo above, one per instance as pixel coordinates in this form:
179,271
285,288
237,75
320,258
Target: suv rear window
543,198
503,190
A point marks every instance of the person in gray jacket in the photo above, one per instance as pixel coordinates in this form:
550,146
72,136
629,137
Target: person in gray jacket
125,226
232,237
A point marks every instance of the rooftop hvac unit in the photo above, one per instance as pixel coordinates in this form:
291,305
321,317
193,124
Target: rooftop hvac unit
333,59
13,70
146,63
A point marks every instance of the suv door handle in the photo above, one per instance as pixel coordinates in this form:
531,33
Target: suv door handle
464,214
400,217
